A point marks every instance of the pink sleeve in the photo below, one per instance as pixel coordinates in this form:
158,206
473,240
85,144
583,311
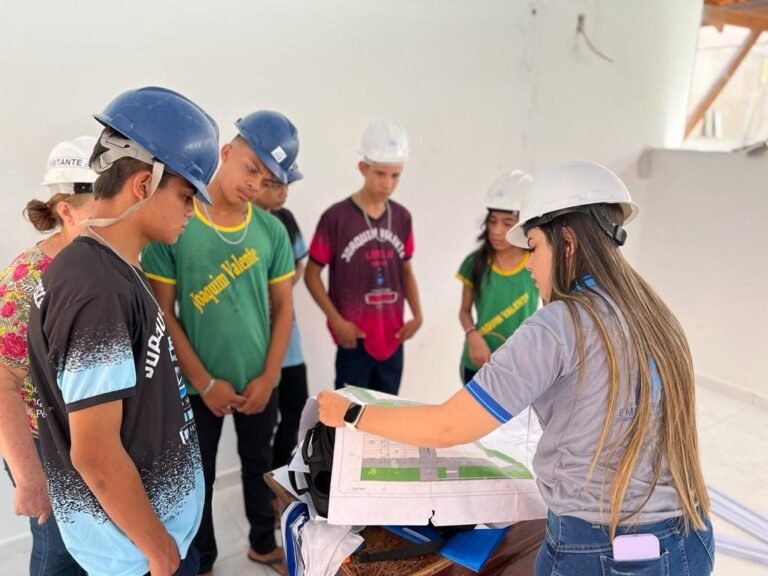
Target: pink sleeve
409,245
320,249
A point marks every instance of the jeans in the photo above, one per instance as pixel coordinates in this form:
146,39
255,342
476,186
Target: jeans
356,367
293,395
49,556
254,437
574,547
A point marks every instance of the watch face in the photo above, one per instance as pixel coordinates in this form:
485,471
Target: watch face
352,412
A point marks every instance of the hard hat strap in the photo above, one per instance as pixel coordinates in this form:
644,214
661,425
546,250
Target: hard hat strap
157,174
598,211
615,231
118,146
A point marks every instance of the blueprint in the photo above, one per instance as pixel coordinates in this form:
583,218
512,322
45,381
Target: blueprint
376,481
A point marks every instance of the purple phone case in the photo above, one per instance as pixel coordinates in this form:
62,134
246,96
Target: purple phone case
636,547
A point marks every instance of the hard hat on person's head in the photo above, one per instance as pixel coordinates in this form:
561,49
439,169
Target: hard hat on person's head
384,142
68,170
274,139
507,191
294,175
163,129
574,187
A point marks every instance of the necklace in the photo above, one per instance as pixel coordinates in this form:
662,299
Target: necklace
220,235
103,240
379,277
389,218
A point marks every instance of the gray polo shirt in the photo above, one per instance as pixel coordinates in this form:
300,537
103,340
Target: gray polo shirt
539,365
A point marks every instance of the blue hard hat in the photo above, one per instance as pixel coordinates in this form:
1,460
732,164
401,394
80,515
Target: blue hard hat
294,174
175,130
274,139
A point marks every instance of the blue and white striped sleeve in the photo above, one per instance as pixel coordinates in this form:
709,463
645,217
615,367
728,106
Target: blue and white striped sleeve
520,371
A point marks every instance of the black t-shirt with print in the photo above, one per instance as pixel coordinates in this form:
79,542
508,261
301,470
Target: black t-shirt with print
96,335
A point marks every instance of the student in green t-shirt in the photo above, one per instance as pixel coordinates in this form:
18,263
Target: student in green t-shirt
225,287
497,283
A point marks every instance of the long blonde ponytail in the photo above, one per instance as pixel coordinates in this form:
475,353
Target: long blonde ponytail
657,342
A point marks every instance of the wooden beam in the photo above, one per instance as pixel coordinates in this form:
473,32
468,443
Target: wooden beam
755,19
720,83
737,3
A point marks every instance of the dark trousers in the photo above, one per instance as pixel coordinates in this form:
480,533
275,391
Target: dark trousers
467,374
356,367
293,395
189,565
254,435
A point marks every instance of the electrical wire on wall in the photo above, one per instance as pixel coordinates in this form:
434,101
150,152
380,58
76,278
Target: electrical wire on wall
581,29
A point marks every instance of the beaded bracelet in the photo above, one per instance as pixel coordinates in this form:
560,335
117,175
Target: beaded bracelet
469,330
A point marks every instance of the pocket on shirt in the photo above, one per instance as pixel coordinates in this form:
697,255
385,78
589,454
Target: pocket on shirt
653,567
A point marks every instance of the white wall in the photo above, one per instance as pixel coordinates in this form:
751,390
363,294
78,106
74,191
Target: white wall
481,87
704,254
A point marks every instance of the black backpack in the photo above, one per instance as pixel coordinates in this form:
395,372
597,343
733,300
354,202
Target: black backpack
321,439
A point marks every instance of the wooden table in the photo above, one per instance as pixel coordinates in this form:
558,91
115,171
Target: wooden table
515,556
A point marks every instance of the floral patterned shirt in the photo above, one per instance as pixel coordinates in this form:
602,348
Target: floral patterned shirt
17,283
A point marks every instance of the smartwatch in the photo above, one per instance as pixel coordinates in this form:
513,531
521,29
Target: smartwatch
352,415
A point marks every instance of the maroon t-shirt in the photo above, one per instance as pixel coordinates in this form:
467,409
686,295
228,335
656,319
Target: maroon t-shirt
366,269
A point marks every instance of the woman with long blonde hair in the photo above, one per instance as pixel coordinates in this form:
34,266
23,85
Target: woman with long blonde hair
607,369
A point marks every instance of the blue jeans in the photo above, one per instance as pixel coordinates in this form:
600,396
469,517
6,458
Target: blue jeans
49,556
356,367
574,547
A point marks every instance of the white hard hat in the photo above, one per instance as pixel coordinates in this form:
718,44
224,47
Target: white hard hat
568,187
508,190
384,143
68,163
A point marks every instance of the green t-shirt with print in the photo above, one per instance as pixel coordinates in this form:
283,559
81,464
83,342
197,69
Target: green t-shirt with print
222,290
507,298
